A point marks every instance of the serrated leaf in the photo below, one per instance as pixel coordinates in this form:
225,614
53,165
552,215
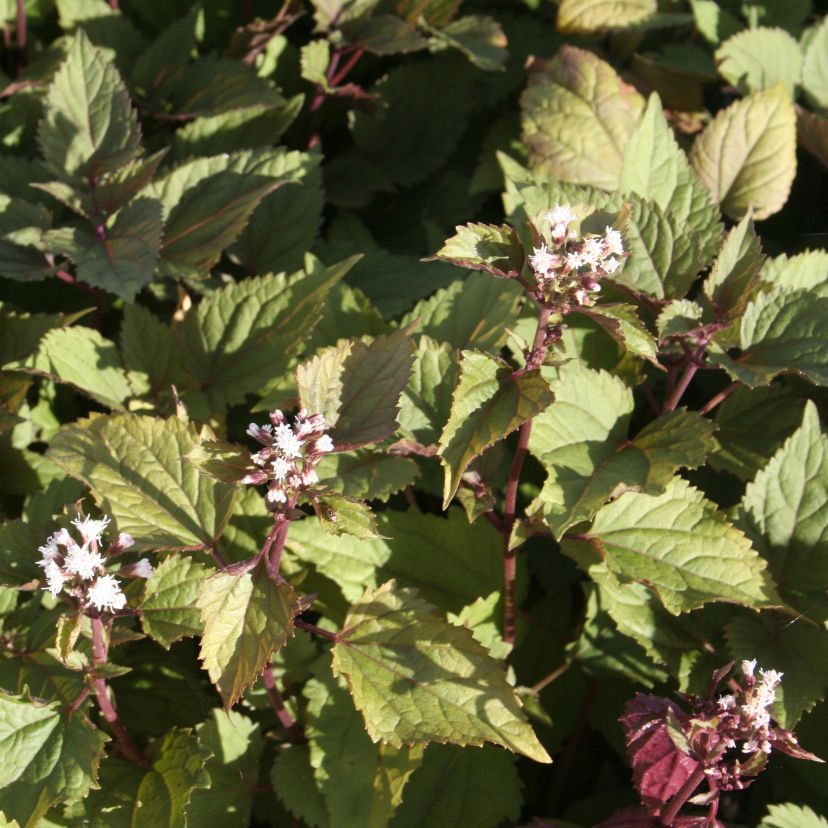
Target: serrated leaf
426,401
657,169
227,462
210,214
683,548
340,515
582,442
792,816
89,126
678,317
385,34
149,352
751,426
590,16
577,117
18,566
815,67
367,475
622,323
417,679
475,313
756,59
785,508
168,607
294,784
804,270
781,331
123,258
177,770
48,757
361,782
481,39
357,387
450,561
236,337
456,786
746,156
798,650
734,276
489,403
246,619
235,743
664,256
314,59
135,468
81,357
495,249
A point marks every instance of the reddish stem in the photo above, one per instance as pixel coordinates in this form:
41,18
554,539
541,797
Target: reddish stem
345,70
312,628
674,399
21,25
295,735
720,397
100,652
534,357
670,812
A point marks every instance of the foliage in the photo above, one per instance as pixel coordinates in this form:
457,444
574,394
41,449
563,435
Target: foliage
407,406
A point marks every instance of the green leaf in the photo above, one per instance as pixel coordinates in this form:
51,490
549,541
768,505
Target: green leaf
621,322
417,679
792,816
18,557
124,259
419,130
361,782
489,403
734,276
450,561
475,313
582,442
367,475
218,198
294,784
135,468
590,16
295,210
89,126
785,509
714,22
235,743
815,67
343,515
246,619
577,117
780,332
357,387
746,156
756,59
149,352
805,270
168,606
480,39
315,57
385,34
48,757
82,358
683,548
751,425
237,336
800,651
227,462
496,249
426,401
178,768
678,317
657,169
457,787
664,255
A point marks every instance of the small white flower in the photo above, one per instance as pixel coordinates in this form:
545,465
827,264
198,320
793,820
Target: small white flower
574,260
90,529
543,261
64,539
289,444
748,667
125,540
282,468
82,561
261,433
276,494
143,569
324,444
610,265
105,594
560,214
726,702
613,241
55,579
593,251
49,550
309,476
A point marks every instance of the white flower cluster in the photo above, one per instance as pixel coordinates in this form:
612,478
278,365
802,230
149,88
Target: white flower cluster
574,267
290,455
80,568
